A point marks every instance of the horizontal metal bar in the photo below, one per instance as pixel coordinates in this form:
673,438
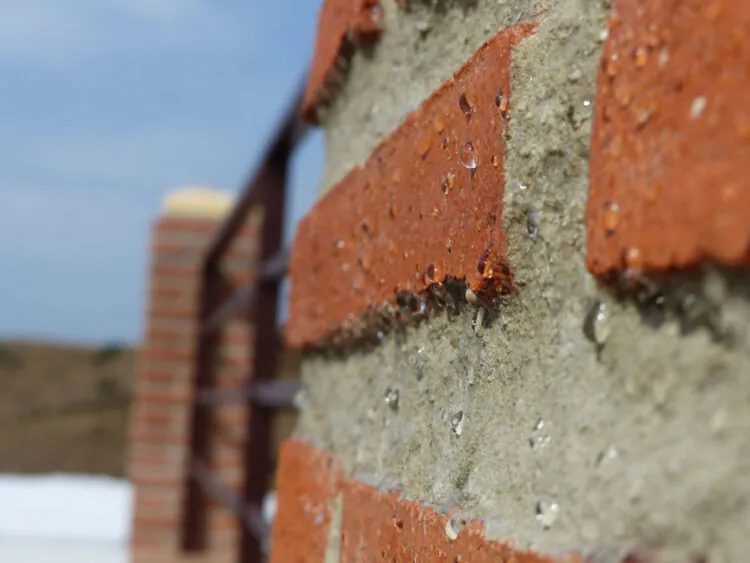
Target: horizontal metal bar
217,397
276,394
255,522
215,490
272,394
251,516
274,268
240,300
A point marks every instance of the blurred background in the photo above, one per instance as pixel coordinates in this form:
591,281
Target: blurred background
105,106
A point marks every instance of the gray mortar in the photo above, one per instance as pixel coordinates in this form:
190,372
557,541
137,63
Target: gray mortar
645,440
419,50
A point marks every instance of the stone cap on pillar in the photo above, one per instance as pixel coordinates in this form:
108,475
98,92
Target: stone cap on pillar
200,202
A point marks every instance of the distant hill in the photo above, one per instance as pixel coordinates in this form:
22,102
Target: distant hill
64,408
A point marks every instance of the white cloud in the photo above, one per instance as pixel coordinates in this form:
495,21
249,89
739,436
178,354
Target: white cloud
55,33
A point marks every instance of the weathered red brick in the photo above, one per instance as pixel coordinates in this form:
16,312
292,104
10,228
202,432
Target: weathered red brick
671,139
342,24
378,526
426,206
309,480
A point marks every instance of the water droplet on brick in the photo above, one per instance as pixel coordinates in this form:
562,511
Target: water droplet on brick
449,181
610,216
697,107
547,513
663,56
419,363
633,260
429,274
477,322
495,161
392,398
453,527
597,326
533,218
537,440
501,101
457,423
484,262
606,455
465,102
467,156
612,65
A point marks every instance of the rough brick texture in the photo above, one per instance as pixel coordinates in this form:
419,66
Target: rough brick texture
426,206
671,138
308,483
342,24
160,424
374,525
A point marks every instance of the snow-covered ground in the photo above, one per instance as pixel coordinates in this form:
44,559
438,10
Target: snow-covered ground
70,519
64,519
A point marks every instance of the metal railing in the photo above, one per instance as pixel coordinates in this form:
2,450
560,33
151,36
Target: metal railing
256,303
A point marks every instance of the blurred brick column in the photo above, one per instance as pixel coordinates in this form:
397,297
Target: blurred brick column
160,424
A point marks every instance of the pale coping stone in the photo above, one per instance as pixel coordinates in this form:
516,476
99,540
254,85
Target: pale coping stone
197,201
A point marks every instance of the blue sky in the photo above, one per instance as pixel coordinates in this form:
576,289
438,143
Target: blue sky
105,105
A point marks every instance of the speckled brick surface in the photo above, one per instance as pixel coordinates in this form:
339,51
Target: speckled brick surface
671,139
426,206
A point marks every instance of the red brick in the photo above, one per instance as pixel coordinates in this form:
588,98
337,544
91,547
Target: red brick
181,225
160,290
156,437
309,480
153,522
158,481
671,139
163,397
147,459
376,526
158,311
157,473
414,213
156,418
156,376
341,25
188,274
379,526
220,518
236,272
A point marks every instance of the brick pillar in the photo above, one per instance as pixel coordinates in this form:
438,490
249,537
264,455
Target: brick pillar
160,424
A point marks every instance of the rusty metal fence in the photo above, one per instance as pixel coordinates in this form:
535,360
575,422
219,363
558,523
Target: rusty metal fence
257,304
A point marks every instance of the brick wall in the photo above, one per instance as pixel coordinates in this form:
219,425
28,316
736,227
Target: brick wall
527,273
160,426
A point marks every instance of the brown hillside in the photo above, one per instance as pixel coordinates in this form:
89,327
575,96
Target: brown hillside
64,408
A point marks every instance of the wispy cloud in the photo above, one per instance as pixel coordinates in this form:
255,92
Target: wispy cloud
110,103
